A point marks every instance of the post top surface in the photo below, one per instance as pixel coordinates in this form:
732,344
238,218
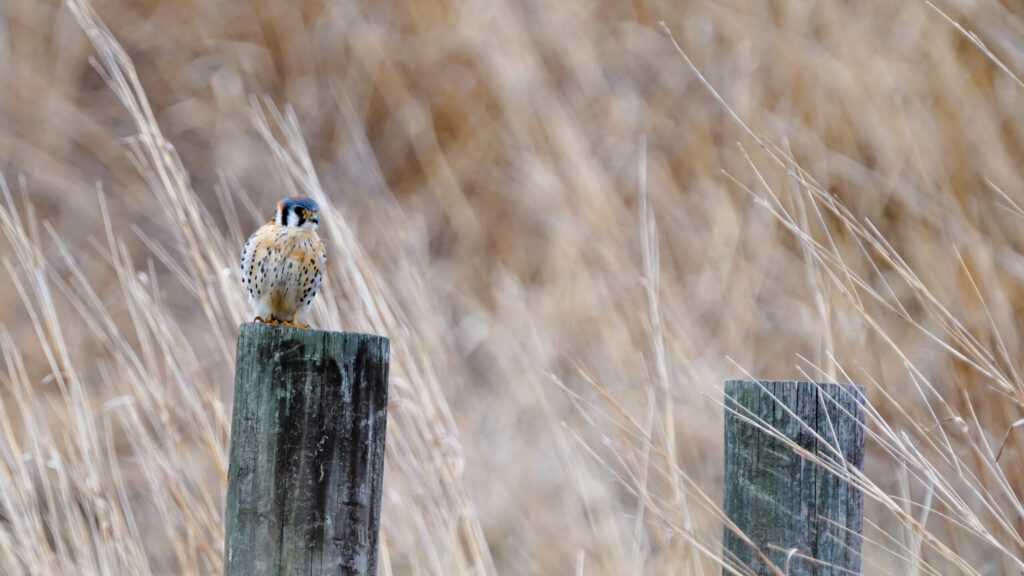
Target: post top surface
295,331
732,383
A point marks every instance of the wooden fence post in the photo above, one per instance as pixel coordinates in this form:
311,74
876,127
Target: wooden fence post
307,452
780,500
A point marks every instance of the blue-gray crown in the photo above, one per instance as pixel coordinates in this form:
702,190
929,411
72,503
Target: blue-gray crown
300,201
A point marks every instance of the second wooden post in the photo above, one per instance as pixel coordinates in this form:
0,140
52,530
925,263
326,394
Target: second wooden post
798,517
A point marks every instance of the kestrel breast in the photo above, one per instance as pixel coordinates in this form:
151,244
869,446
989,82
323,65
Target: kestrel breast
282,268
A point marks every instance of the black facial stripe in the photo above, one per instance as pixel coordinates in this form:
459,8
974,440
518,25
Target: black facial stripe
288,211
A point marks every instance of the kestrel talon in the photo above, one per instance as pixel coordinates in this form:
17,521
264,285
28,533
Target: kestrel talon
283,263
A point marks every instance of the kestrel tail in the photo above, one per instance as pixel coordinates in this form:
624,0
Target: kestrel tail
283,263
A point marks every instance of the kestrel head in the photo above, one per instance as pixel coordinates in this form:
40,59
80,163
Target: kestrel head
298,212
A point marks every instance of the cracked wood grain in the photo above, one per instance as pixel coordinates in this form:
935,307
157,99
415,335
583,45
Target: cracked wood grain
307,452
782,501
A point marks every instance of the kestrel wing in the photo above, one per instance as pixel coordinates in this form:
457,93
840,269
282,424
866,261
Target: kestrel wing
321,264
249,256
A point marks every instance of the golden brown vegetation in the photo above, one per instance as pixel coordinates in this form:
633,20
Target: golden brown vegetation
571,236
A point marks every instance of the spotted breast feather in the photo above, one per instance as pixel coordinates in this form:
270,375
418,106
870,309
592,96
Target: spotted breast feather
282,267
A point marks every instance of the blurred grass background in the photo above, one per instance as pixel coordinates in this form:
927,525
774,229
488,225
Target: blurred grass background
571,242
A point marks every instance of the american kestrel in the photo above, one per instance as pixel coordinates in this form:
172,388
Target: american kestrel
283,263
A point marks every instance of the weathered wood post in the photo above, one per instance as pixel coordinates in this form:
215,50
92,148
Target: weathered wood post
307,452
803,518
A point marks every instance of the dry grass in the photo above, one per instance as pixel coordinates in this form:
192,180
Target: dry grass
573,230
